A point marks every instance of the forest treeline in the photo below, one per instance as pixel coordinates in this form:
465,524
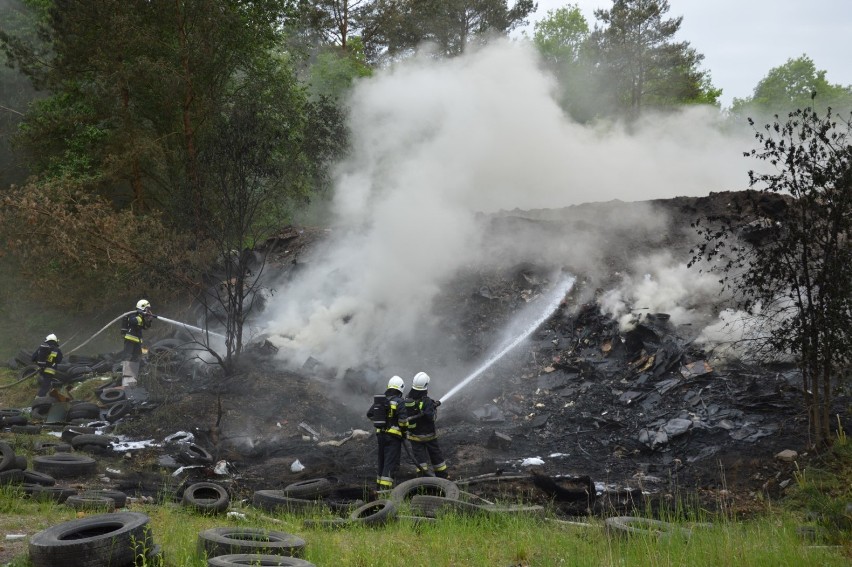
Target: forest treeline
142,142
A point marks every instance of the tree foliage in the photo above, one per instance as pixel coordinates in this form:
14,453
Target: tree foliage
791,86
795,279
397,27
641,64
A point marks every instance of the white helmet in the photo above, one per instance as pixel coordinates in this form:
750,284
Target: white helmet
420,381
51,337
143,304
396,383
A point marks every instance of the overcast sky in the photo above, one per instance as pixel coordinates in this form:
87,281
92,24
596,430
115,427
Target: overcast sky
741,40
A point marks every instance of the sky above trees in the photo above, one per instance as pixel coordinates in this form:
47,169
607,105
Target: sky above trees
742,41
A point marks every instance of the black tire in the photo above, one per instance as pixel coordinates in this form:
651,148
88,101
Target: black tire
90,503
39,413
277,501
101,367
430,485
56,493
70,432
87,440
206,497
41,479
11,476
102,539
26,429
233,540
24,357
20,462
192,454
242,559
117,410
84,410
65,465
10,412
11,420
632,525
313,488
117,496
7,456
112,395
374,513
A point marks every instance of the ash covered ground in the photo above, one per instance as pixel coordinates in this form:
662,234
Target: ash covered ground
581,412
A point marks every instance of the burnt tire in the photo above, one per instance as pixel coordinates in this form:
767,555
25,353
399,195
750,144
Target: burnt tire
374,513
65,465
90,503
277,501
117,410
313,488
238,559
102,539
192,454
215,542
430,485
206,497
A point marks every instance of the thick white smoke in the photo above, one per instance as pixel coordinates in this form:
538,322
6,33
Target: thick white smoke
434,143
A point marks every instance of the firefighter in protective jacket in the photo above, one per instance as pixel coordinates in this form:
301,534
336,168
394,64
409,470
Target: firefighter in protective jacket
47,356
390,429
134,325
422,412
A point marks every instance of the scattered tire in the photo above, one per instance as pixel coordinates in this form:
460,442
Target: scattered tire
10,412
26,429
84,410
20,462
117,496
215,542
430,485
632,525
238,559
39,478
90,503
192,454
277,501
102,539
12,420
374,513
112,395
101,367
73,431
312,488
11,476
55,493
87,440
65,465
206,497
7,456
117,410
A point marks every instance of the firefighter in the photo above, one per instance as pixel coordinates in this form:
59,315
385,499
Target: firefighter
389,417
47,356
422,412
134,325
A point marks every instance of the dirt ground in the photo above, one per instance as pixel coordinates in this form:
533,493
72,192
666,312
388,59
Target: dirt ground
580,414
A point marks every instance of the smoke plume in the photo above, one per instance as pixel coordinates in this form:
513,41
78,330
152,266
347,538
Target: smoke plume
437,143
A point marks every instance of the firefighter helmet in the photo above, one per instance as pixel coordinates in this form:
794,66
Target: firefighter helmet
420,381
143,304
396,383
51,337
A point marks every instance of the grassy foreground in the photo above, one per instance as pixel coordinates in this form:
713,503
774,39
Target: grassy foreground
486,541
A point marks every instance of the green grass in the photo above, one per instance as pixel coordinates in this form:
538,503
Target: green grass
484,541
